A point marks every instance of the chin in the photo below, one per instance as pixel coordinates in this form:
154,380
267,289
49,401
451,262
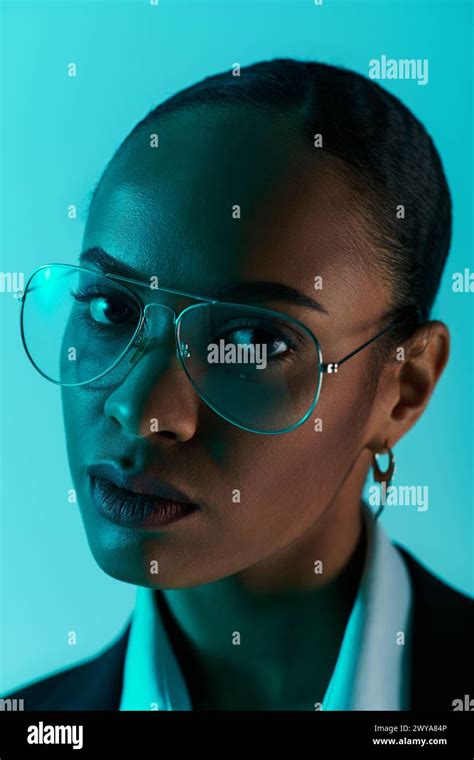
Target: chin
129,561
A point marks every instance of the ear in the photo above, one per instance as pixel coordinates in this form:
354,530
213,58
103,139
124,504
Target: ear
425,359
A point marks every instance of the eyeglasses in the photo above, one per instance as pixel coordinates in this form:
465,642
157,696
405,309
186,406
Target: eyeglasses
259,369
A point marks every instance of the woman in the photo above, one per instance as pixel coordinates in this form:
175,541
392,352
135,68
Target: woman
249,237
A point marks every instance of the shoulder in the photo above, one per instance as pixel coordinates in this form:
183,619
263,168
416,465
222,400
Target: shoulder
436,593
92,684
442,635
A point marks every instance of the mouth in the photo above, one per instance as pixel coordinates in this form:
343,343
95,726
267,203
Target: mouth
130,509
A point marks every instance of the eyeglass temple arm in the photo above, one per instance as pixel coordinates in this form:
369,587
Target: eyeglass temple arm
331,367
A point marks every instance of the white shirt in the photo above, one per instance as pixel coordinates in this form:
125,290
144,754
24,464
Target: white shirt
372,668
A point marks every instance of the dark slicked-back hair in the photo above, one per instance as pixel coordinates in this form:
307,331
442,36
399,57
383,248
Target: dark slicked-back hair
382,150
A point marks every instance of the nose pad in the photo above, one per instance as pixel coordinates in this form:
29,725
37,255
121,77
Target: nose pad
140,343
184,349
143,342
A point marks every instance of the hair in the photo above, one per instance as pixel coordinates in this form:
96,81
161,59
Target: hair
379,147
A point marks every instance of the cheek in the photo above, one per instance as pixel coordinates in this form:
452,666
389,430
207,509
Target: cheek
82,414
80,406
285,482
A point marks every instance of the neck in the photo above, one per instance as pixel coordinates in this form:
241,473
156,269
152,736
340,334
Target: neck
266,638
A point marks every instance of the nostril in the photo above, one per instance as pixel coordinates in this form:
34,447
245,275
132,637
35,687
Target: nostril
127,463
167,434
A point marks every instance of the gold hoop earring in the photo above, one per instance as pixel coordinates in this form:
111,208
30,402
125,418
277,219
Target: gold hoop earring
384,477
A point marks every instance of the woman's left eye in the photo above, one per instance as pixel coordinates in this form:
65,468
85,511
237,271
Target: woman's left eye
275,345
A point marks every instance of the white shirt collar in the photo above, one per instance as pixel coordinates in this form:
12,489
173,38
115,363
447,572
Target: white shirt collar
372,668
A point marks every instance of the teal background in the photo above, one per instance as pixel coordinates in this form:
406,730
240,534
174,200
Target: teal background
57,133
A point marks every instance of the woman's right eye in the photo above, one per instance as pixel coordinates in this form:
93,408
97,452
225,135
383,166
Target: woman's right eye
108,310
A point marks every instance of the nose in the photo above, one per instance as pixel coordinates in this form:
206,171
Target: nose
155,397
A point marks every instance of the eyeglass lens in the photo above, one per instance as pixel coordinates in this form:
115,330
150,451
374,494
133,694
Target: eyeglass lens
257,370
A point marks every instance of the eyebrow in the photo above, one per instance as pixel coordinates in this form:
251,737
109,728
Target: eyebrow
270,291
107,263
252,291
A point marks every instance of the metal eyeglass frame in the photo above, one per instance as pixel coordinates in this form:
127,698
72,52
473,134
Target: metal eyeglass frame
137,338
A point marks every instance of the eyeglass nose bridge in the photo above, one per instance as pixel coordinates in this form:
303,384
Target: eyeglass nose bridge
142,344
152,305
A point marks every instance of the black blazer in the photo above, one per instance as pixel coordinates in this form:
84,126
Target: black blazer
442,661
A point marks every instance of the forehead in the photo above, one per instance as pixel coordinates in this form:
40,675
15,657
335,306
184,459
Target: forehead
228,194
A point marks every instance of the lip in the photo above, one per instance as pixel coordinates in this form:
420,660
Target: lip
138,501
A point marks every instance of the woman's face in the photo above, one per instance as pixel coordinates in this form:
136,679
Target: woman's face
168,212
